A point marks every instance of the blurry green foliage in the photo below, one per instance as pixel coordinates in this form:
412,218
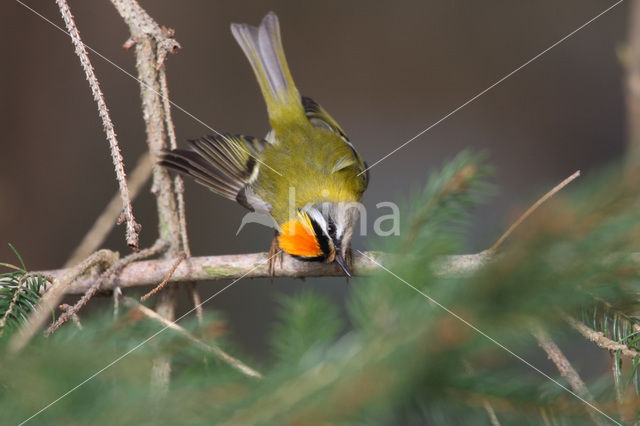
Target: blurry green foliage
402,359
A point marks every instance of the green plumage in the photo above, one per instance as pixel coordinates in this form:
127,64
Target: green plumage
306,153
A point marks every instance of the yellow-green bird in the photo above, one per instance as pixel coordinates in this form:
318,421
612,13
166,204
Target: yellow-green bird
305,173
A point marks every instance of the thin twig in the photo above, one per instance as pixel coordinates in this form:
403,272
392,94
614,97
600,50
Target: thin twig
533,208
153,43
166,280
600,339
196,300
178,188
54,294
485,402
133,228
615,366
566,370
107,219
117,293
158,247
74,316
178,185
215,350
632,85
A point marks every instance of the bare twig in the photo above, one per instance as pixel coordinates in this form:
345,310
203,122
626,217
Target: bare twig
600,339
207,347
158,247
566,370
133,228
533,208
152,45
52,297
196,300
491,412
615,366
117,293
74,316
178,186
632,63
166,280
485,402
107,219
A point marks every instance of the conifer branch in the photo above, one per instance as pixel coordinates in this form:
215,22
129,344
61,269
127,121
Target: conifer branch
133,228
207,347
567,371
600,339
52,297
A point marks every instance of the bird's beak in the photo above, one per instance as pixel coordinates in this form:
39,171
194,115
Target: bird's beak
343,265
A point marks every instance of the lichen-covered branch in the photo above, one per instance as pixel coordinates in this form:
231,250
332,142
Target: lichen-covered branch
601,340
133,228
251,265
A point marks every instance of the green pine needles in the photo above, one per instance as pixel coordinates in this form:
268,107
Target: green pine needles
19,294
403,353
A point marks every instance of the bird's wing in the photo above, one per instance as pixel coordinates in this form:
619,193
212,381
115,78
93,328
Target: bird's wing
319,117
226,164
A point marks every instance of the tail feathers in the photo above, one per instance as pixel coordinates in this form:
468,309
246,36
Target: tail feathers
223,163
263,48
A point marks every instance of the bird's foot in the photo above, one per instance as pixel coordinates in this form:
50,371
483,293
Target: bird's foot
275,254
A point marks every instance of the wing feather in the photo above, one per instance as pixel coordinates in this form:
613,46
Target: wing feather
224,163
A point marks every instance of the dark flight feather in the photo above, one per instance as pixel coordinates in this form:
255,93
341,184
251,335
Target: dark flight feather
223,163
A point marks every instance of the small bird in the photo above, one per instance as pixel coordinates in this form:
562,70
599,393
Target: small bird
305,173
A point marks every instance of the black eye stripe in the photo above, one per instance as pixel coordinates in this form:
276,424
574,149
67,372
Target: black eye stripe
323,240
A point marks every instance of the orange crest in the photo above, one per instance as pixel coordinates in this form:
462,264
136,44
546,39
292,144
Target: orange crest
298,238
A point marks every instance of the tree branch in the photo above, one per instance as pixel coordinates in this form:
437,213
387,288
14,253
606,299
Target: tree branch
133,228
52,297
600,339
566,370
153,43
250,265
158,247
215,350
631,60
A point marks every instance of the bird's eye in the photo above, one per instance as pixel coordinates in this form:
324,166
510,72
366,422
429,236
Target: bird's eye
331,228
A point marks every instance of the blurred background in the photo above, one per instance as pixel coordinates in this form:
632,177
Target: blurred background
385,70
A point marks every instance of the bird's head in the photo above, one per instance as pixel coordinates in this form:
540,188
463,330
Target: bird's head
321,232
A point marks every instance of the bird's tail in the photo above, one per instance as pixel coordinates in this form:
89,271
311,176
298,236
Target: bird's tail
263,47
